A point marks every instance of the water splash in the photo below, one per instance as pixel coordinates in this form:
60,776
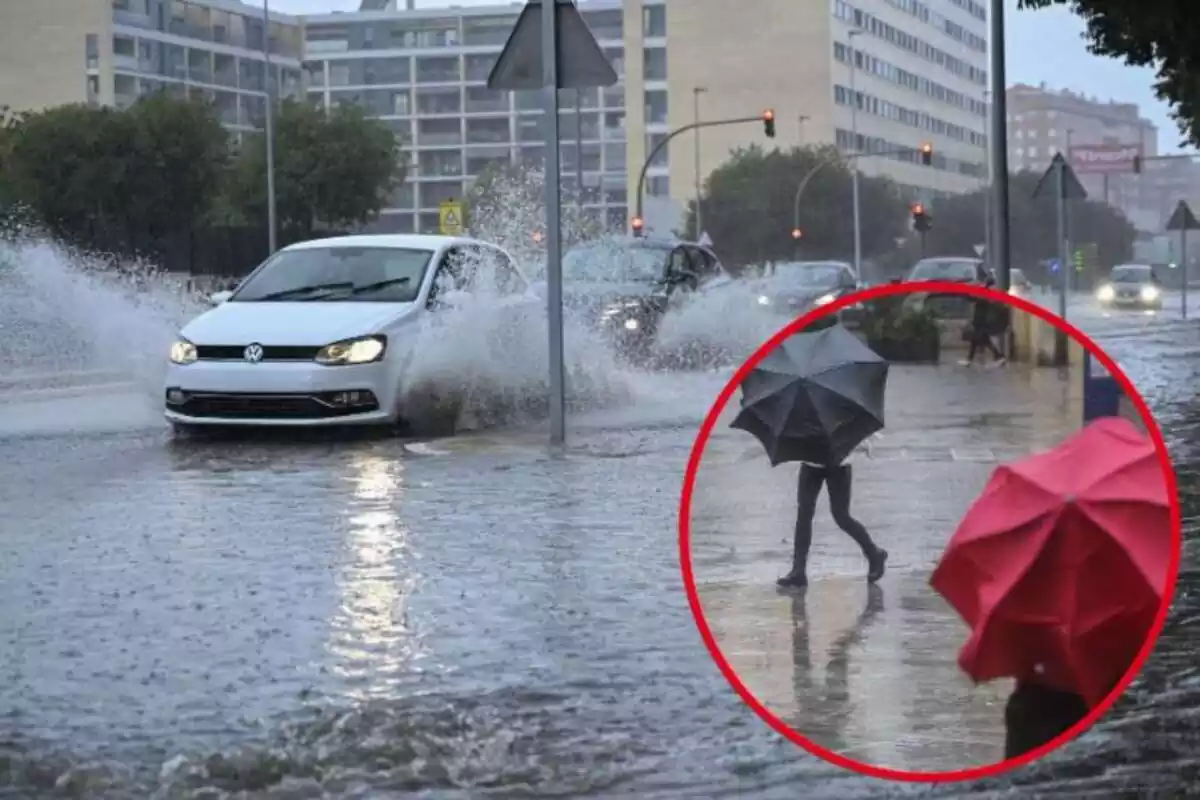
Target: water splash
721,326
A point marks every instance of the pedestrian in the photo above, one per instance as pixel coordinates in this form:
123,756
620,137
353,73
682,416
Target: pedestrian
1037,714
838,479
982,327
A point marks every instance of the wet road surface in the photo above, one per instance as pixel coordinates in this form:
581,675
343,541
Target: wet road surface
459,619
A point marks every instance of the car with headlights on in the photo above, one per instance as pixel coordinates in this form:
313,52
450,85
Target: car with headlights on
625,286
1132,286
953,268
322,332
795,287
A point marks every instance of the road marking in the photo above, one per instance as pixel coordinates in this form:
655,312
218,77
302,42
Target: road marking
975,454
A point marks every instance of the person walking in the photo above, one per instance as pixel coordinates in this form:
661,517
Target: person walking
838,479
983,325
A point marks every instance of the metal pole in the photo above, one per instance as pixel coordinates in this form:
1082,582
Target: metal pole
999,150
579,151
1183,257
1060,339
987,185
854,134
554,288
696,92
269,119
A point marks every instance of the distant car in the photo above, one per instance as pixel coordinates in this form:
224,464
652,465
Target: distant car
322,332
795,287
625,285
961,270
1133,286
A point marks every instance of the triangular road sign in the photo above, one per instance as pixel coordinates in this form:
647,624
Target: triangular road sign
979,248
705,240
1072,188
581,62
1183,219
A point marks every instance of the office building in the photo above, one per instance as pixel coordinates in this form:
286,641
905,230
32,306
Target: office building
110,52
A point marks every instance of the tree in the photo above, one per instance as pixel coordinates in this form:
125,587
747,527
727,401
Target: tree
1143,33
118,179
749,207
336,168
958,225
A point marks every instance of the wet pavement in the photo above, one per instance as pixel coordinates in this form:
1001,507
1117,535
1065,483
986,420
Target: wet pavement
947,429
464,618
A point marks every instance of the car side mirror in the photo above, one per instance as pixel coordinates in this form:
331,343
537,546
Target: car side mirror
217,298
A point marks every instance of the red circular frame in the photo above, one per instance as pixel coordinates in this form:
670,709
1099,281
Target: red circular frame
685,503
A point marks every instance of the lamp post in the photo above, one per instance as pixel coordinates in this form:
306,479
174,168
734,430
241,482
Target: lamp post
696,92
854,133
987,179
999,150
269,125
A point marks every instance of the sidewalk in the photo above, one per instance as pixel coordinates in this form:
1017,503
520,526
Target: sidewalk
890,692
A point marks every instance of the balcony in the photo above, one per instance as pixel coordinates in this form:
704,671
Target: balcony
134,19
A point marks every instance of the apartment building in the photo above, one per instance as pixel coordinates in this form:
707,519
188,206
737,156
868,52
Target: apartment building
111,52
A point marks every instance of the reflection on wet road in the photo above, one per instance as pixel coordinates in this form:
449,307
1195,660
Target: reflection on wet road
472,618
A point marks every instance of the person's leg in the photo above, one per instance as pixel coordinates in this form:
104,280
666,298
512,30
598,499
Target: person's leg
808,489
997,353
839,482
973,349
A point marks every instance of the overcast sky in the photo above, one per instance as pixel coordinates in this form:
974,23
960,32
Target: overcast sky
1042,46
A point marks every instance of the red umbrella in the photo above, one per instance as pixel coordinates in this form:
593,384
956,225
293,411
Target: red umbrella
1060,566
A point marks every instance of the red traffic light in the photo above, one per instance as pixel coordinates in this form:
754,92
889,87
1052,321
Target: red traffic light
926,151
637,223
797,233
769,115
917,209
768,118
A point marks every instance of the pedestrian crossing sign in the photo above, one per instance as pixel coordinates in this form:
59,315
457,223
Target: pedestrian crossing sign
450,217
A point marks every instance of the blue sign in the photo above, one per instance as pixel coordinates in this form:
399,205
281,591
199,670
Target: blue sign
1054,264
1101,392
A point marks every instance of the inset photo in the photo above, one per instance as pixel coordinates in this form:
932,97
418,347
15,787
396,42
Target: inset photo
932,538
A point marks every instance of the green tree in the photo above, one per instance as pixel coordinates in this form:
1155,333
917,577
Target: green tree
118,179
958,225
1157,33
336,168
749,207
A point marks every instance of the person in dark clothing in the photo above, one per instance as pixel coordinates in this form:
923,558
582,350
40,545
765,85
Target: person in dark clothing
838,479
1036,715
983,323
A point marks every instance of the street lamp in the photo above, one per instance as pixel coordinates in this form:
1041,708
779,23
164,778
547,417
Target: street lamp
854,135
696,92
269,125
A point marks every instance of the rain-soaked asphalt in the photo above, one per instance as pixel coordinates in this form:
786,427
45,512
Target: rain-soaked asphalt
462,618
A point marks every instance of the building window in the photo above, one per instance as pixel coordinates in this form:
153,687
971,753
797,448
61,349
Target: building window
655,66
662,157
656,106
438,70
658,186
605,24
654,21
92,50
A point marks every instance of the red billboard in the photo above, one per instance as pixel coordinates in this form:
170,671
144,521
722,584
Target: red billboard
1104,159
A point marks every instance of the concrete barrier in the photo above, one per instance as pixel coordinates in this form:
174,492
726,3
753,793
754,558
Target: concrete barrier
1032,341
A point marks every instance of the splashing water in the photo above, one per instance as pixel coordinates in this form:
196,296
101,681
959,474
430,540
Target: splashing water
721,326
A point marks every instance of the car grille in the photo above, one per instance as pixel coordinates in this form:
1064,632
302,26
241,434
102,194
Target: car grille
228,352
237,405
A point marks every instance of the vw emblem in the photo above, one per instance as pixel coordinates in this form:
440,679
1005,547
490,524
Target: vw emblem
253,353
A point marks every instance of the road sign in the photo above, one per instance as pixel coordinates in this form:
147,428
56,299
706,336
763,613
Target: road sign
1183,219
979,249
520,64
1054,265
450,218
1071,188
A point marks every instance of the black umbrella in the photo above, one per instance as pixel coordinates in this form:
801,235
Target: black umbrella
815,398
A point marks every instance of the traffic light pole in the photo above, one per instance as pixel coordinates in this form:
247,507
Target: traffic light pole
823,164
641,186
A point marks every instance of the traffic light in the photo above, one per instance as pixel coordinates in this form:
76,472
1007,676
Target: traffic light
1137,165
637,223
768,118
797,234
926,154
921,221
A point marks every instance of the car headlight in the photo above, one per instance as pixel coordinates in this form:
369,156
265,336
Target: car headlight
1106,292
616,309
363,350
763,300
1150,293
632,324
182,352
825,300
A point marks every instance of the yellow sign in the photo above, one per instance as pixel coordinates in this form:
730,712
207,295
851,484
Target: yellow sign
450,218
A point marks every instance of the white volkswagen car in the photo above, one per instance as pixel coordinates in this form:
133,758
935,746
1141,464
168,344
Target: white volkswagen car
322,332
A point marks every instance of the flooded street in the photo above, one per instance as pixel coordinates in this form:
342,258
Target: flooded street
457,618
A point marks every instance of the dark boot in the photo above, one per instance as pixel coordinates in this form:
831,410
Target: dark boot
796,579
876,564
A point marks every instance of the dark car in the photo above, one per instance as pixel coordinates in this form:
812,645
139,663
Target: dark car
958,269
625,285
795,287
1132,286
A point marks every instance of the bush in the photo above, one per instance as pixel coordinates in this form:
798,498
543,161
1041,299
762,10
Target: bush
899,332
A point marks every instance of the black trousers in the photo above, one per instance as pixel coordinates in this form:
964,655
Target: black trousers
979,340
808,489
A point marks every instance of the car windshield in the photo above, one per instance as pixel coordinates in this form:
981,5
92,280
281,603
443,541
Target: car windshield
944,271
1130,275
817,274
359,274
615,263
